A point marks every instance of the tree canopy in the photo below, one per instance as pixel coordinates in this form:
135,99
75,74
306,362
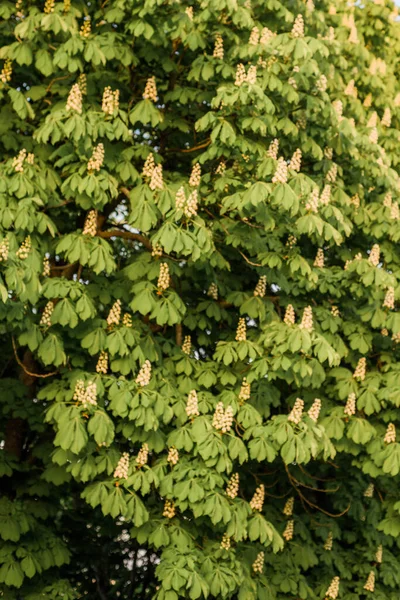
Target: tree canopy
199,292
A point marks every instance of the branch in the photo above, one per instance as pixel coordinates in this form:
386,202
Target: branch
302,497
21,364
199,147
248,261
178,334
128,235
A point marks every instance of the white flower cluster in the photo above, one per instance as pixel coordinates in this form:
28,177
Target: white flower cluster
49,6
4,249
350,89
149,166
127,320
395,212
297,411
266,35
322,83
241,331
350,408
188,205
74,100
110,101
390,435
369,491
189,12
242,77
143,455
307,319
220,170
295,161
273,149
257,501
370,583
258,564
379,554
46,265
374,136
355,201
45,320
114,316
368,101
232,489
18,161
157,180
386,118
6,72
169,509
245,390
389,299
213,291
25,248
82,82
261,287
254,37
319,259
192,404
288,508
122,468
225,542
298,27
329,542
195,176
96,160
150,91
102,363
218,47
313,201
87,396
86,28
333,589
325,195
144,375
289,530
163,281
157,251
337,106
173,456
223,418
332,173
90,227
290,317
187,345
315,409
291,241
361,369
281,173
353,37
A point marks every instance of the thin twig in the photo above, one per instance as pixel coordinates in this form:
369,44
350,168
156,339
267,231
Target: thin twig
21,364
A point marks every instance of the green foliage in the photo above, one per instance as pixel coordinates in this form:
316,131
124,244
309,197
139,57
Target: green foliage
199,280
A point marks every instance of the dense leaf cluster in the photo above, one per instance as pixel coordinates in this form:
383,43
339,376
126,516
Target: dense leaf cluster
199,276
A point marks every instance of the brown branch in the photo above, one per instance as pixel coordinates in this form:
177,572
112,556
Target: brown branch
178,334
302,497
129,235
21,364
126,192
249,261
198,147
56,79
313,476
